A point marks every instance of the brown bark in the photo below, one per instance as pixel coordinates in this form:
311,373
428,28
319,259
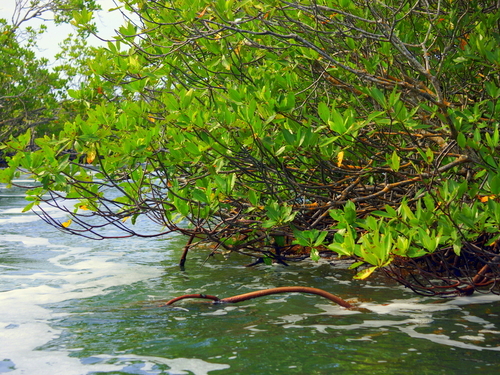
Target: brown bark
266,292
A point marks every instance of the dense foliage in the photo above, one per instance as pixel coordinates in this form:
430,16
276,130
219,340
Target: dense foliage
271,127
32,95
27,89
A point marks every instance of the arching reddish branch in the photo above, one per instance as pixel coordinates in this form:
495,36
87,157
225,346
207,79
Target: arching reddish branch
196,295
266,292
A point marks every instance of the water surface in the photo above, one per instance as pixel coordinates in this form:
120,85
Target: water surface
75,306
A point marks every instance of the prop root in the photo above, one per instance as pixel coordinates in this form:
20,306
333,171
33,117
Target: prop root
266,292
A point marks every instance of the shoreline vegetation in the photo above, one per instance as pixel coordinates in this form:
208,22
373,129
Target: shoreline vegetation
282,130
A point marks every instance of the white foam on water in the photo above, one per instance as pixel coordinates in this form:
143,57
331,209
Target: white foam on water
27,241
472,338
16,216
476,319
404,307
178,366
10,211
19,219
18,345
418,314
406,326
474,299
443,339
24,322
76,273
23,181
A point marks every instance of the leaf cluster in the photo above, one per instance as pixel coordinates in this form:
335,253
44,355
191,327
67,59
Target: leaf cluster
31,94
370,128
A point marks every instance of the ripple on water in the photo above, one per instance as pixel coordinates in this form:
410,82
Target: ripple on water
73,307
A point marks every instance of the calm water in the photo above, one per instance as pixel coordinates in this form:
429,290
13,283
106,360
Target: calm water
75,306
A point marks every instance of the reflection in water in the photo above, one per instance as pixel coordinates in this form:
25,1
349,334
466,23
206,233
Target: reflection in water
73,306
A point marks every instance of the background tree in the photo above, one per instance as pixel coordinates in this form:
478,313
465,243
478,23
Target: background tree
274,127
32,95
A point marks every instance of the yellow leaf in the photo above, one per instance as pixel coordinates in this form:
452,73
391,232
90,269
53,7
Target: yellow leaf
83,207
67,223
340,158
485,198
202,13
125,219
90,156
361,275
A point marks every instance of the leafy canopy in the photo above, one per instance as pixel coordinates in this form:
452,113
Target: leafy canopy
370,128
32,95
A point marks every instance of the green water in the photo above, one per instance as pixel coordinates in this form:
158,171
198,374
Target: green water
74,306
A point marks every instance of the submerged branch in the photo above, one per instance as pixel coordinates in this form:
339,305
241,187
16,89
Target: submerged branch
266,292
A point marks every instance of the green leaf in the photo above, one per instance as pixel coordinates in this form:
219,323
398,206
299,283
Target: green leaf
457,247
461,140
320,238
324,112
280,240
378,96
356,265
395,161
235,96
430,155
315,255
337,122
186,98
182,206
495,184
29,206
200,196
253,198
